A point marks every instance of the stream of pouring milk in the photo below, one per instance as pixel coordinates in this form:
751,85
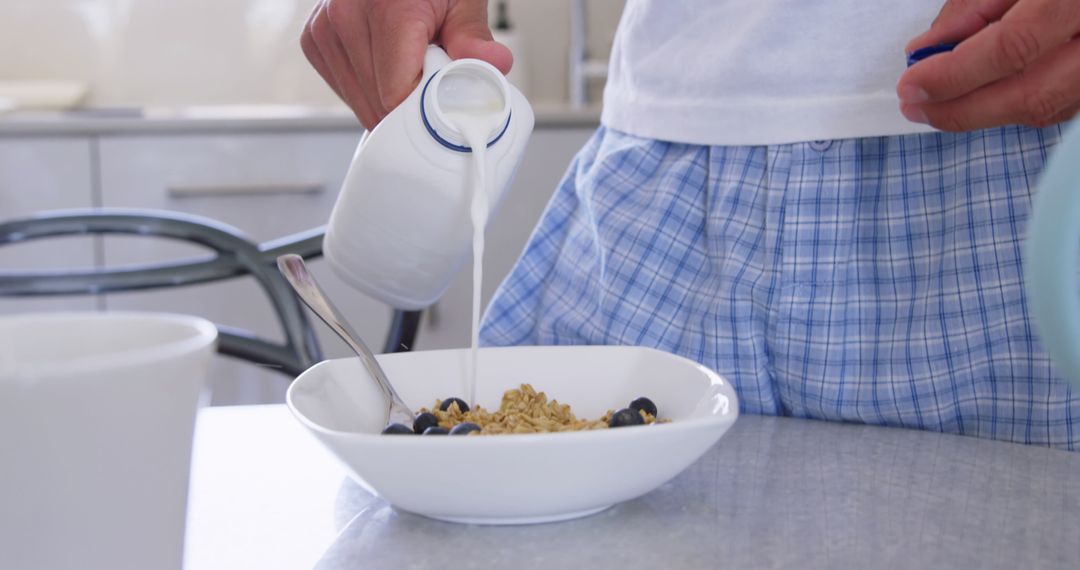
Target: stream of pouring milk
476,126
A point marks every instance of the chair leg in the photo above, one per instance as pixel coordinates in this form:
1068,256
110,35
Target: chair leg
402,332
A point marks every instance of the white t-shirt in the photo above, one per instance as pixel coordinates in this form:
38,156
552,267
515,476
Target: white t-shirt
752,72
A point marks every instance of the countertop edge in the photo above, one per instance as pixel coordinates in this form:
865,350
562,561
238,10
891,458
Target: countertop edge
230,119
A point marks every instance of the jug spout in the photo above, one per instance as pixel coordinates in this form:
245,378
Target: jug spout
466,87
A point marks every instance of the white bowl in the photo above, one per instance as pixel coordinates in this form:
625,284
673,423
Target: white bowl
517,479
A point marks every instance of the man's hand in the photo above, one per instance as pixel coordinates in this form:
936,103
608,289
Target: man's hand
1017,63
371,52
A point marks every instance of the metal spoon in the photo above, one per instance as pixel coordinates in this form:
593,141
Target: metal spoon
293,268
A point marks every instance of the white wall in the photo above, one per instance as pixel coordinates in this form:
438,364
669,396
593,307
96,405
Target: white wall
210,52
163,52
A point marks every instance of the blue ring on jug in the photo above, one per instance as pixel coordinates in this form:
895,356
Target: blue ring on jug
444,142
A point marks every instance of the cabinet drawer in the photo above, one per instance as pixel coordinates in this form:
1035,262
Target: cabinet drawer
268,185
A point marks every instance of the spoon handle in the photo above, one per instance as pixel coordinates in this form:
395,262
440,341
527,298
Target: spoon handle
295,271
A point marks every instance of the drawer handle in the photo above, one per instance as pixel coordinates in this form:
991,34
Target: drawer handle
213,190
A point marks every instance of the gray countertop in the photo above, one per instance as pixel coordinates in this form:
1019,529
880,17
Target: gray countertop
230,118
773,493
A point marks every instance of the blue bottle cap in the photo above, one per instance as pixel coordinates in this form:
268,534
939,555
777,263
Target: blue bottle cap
923,53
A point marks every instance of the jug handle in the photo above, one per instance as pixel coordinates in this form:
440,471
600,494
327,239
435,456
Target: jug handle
434,59
1051,253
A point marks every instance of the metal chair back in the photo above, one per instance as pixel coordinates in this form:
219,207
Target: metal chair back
230,255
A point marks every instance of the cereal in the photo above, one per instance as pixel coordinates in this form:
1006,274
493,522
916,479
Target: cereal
523,410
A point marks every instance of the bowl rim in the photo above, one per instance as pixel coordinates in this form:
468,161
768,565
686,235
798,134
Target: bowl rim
714,421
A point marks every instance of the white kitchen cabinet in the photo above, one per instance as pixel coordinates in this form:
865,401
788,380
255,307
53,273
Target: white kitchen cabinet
46,173
546,159
268,185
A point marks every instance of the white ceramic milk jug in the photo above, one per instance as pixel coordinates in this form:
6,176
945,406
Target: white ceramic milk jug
401,227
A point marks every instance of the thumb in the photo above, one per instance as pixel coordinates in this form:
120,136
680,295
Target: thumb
960,19
465,33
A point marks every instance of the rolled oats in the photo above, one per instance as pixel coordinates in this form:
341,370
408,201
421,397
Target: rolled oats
522,410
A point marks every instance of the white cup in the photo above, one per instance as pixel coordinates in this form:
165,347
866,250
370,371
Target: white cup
97,412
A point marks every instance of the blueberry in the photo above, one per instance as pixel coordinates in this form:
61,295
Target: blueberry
460,403
464,428
436,430
397,429
626,417
424,421
644,404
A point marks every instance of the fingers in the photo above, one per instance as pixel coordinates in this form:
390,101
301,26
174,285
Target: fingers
1066,115
349,20
1046,93
311,52
400,34
1027,31
336,62
466,34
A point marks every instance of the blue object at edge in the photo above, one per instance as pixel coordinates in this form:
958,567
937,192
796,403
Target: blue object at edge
923,53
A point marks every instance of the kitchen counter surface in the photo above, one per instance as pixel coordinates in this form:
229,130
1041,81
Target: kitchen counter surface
773,493
229,119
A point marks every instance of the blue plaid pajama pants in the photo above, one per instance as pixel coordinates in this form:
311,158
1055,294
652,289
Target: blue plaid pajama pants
874,280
